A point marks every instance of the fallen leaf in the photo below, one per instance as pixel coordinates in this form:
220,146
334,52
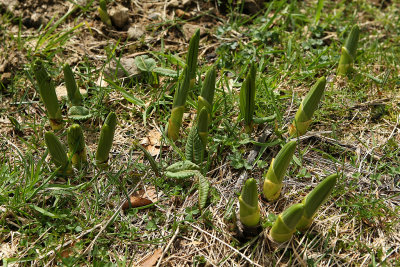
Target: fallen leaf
154,137
144,141
151,193
152,260
136,200
154,151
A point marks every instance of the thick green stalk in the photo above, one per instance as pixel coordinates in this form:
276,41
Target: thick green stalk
285,225
105,18
273,178
178,107
207,92
189,74
249,209
314,200
307,108
48,94
72,89
58,154
76,144
247,98
106,140
349,51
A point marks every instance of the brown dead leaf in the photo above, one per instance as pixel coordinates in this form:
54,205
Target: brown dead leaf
154,151
151,193
152,260
152,142
154,137
182,14
137,199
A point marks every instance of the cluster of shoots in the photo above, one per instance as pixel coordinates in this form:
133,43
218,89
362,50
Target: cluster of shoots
77,156
297,217
348,52
187,81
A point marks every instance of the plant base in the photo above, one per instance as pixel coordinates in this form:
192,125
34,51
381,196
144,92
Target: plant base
273,244
245,233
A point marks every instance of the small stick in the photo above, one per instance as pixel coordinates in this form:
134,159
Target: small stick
168,245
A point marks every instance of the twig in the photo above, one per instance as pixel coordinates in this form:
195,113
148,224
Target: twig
226,244
168,245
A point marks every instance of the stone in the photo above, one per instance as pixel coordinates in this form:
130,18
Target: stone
154,16
135,32
126,69
119,16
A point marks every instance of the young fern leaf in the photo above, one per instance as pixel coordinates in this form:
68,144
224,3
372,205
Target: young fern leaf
189,74
48,94
273,178
103,14
182,169
249,209
76,144
349,52
72,89
106,140
182,166
285,225
307,108
247,98
182,174
204,188
58,154
314,200
197,139
194,150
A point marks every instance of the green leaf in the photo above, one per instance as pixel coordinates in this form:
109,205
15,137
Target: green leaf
144,63
264,119
166,72
204,187
153,163
44,212
183,165
79,113
194,150
182,174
